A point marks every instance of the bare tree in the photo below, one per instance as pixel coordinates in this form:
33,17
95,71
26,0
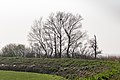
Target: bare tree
14,50
55,24
36,36
60,35
94,46
42,39
66,26
48,38
85,51
72,27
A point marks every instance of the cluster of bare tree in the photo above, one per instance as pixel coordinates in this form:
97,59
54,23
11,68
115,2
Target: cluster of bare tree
16,50
13,50
61,35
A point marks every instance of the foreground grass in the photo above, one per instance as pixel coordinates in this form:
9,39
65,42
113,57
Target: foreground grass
12,75
115,77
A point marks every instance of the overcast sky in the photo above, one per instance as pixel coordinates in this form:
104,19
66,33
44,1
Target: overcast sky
101,17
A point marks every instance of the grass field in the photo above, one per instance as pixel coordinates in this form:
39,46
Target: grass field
72,69
12,75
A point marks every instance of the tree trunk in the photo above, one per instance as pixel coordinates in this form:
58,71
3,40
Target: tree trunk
95,47
60,46
68,56
55,45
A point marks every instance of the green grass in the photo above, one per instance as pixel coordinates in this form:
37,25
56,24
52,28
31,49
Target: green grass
115,77
12,75
73,69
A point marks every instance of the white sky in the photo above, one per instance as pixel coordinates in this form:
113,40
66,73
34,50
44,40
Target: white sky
101,17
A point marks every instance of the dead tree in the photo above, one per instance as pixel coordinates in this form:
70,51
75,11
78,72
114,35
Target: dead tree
94,46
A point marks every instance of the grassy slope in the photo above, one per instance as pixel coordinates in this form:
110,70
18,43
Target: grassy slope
73,69
115,77
12,75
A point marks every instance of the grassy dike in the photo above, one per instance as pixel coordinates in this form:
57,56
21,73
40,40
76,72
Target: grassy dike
72,69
